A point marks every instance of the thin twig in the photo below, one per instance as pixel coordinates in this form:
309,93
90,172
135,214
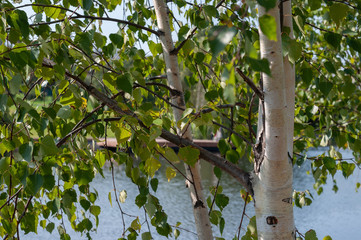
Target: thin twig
10,198
214,198
324,30
243,213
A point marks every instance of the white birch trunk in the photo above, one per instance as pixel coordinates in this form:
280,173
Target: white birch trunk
272,185
289,79
200,211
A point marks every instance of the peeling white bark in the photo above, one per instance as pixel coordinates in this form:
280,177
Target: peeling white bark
200,211
273,184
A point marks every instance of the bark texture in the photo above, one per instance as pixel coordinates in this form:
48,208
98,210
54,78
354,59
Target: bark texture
200,210
272,185
289,78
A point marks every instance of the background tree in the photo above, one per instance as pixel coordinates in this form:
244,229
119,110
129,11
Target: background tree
111,84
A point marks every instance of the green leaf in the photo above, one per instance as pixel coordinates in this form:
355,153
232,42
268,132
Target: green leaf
210,10
136,224
221,201
19,20
47,146
223,146
295,51
267,4
307,75
333,39
34,182
314,4
154,184
84,41
85,204
355,44
259,65
125,83
151,166
117,40
222,223
329,163
311,235
211,95
4,164
50,227
100,157
122,135
26,151
325,87
69,197
64,112
52,12
219,37
189,155
87,4
329,67
171,155
300,23
338,11
199,57
95,210
348,88
268,26
232,156
146,236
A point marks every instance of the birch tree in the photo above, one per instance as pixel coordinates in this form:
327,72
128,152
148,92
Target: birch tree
194,183
68,78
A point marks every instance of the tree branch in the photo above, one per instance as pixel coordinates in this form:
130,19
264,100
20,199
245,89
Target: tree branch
324,30
250,83
240,175
79,16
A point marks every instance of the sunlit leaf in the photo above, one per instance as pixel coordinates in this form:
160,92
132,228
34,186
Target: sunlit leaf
123,196
170,173
268,26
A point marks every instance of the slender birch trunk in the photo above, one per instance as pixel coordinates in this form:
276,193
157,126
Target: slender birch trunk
272,183
200,210
289,79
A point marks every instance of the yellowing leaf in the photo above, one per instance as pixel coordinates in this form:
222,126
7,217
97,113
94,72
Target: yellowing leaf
170,173
151,166
123,196
136,225
122,135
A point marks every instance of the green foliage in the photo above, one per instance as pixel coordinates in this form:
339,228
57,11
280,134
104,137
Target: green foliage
65,79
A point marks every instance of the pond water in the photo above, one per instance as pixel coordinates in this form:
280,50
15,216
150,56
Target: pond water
335,214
